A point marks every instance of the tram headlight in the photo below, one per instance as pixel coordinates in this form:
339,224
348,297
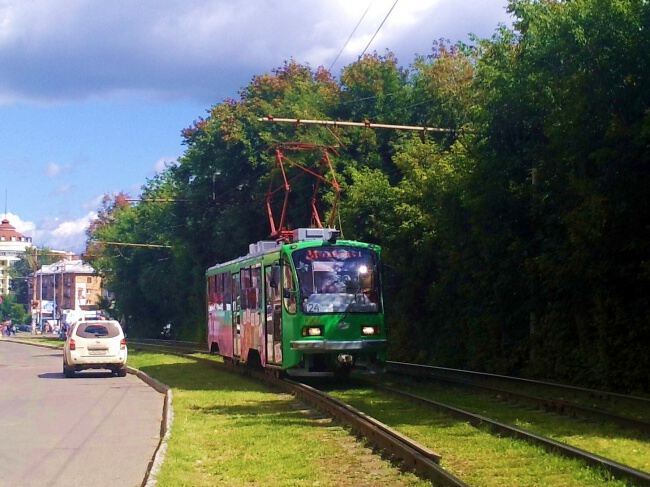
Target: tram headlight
367,330
312,331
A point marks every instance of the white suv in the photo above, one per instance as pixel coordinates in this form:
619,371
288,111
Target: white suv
95,344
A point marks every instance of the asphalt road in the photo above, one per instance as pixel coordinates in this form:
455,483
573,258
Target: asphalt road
94,429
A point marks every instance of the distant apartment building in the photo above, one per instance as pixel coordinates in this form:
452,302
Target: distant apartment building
12,246
66,290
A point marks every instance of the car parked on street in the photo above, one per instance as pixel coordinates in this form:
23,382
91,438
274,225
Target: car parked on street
95,344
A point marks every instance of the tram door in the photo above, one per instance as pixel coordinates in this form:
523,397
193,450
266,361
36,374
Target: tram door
236,315
273,320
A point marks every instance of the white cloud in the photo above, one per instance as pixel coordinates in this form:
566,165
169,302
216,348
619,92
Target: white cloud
73,227
54,233
53,169
94,203
205,49
163,163
25,227
69,234
64,188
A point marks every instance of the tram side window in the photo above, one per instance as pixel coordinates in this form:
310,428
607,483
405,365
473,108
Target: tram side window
213,290
273,284
236,288
218,291
210,289
254,291
227,291
289,288
245,278
250,287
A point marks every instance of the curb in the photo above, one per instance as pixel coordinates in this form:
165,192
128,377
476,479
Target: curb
153,468
24,342
165,426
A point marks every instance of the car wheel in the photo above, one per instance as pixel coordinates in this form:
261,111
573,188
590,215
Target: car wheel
68,371
121,372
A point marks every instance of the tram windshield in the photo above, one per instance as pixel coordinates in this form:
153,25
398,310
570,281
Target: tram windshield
337,280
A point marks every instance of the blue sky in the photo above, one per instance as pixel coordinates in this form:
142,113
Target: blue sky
93,95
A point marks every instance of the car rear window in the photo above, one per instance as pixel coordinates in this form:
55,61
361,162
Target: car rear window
105,329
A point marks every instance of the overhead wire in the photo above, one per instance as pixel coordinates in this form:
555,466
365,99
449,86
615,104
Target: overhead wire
129,244
350,37
378,29
331,66
372,97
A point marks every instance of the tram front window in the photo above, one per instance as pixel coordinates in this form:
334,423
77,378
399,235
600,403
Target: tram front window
337,280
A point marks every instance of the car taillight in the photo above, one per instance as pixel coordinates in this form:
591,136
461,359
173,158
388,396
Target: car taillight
72,344
123,344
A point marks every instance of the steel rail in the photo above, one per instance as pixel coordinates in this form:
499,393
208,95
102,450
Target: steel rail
413,455
616,469
565,387
557,405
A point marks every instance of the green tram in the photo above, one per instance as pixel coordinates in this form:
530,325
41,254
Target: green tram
308,306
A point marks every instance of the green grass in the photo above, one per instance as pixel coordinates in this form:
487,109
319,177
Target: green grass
238,433
608,440
229,430
39,339
472,454
618,405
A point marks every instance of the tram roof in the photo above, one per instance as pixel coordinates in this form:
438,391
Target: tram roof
309,237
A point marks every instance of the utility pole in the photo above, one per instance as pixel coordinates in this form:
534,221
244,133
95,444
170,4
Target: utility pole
40,293
54,295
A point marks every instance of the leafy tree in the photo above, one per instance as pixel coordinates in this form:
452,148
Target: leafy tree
22,270
515,243
11,310
565,106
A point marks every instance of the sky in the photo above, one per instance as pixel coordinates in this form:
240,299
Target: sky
94,94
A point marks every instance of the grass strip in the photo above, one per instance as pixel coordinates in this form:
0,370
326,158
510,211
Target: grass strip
473,454
229,430
618,405
611,441
28,338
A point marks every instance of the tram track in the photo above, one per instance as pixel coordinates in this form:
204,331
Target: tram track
617,470
479,380
472,379
411,454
